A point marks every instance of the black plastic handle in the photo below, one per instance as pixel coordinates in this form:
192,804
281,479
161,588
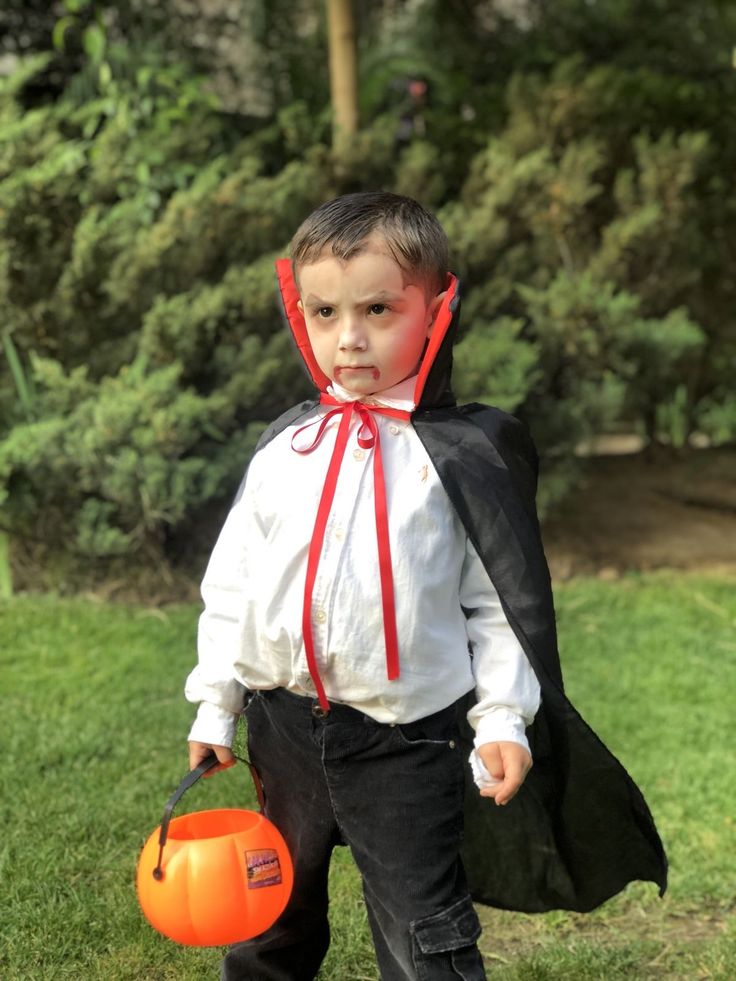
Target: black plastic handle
189,780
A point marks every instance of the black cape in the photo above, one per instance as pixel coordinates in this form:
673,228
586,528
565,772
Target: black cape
579,828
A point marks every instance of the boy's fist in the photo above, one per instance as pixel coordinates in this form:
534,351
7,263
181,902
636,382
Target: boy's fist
508,762
200,751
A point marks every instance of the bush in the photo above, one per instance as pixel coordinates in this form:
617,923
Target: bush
596,241
143,345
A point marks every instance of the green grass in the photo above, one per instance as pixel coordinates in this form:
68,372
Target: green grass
94,730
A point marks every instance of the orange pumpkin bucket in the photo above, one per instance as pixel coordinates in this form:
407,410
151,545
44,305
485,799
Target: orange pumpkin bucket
213,877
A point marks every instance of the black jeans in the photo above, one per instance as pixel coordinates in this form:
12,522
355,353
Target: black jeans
394,795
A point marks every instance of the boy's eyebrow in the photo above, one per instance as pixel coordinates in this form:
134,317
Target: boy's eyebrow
381,296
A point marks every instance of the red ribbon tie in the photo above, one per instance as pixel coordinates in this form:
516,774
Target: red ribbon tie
368,438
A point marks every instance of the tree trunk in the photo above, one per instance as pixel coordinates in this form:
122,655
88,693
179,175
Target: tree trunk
343,72
6,574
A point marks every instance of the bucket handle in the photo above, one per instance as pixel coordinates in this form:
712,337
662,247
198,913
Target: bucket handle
189,780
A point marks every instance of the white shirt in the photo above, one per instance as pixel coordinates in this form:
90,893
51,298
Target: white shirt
250,633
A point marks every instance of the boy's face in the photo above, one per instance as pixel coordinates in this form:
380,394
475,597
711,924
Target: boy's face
366,326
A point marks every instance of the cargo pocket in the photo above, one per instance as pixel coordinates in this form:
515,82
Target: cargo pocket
444,944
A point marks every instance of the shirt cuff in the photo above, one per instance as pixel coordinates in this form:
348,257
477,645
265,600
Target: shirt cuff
213,725
500,725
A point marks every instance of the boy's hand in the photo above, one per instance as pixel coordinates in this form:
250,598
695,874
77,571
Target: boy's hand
200,751
508,762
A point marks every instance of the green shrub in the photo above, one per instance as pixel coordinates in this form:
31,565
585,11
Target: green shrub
589,208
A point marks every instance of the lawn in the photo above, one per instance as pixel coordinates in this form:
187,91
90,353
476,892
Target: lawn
94,740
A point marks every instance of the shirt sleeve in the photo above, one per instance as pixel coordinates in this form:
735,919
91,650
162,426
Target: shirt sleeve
213,725
223,626
507,689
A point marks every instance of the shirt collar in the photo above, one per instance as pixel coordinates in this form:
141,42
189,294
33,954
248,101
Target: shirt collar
399,396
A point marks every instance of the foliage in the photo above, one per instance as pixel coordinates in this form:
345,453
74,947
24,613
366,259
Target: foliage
588,200
600,246
137,289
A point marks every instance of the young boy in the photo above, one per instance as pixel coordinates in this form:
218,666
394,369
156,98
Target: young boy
378,580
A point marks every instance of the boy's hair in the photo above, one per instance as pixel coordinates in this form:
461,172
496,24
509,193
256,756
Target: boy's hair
413,236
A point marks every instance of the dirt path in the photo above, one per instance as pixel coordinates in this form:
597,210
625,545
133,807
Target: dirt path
637,513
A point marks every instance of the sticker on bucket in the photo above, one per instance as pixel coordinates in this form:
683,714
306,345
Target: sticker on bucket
264,868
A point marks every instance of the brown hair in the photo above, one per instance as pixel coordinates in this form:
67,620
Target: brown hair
413,236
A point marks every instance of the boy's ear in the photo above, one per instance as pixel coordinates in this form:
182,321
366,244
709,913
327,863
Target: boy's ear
432,310
300,307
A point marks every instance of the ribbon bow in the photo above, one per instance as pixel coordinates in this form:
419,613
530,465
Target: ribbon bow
368,438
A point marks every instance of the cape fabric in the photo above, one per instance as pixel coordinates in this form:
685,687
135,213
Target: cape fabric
579,828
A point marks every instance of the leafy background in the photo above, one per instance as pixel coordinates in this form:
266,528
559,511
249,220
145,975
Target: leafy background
155,159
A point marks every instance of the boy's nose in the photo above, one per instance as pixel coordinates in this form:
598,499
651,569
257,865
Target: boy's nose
352,336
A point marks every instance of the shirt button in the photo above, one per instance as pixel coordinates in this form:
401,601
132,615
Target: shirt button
394,430
339,534
320,616
358,454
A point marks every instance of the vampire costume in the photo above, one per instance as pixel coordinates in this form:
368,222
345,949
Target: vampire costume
579,829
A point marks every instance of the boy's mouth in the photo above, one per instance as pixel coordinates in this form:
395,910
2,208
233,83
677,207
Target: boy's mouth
353,368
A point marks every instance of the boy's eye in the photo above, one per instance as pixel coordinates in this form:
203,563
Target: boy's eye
377,308
324,312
